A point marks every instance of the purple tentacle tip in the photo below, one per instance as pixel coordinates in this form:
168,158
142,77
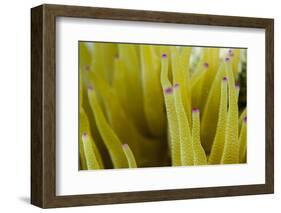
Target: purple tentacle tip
164,55
195,110
227,59
230,53
206,65
245,119
87,67
176,85
90,87
237,85
225,79
125,145
84,136
168,90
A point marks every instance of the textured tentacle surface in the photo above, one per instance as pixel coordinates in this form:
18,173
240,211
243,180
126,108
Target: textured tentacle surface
211,111
243,141
231,148
173,127
184,129
199,155
219,141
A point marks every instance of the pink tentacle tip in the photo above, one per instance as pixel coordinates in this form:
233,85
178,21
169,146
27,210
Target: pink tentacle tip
195,110
86,67
90,87
125,145
164,55
168,90
176,85
245,119
224,78
227,59
84,136
230,53
206,65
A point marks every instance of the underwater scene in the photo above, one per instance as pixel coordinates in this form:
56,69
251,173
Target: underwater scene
148,105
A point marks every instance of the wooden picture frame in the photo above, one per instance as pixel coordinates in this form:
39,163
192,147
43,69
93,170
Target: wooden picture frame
43,105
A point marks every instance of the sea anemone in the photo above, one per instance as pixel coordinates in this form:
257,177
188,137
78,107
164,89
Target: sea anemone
156,105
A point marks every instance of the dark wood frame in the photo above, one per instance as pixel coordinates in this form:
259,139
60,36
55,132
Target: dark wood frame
43,105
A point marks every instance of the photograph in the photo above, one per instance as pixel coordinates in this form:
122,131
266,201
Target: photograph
140,105
158,105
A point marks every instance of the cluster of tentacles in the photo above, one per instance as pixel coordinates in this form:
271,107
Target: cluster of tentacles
152,105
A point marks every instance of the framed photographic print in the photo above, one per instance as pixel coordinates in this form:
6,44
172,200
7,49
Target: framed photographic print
136,106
